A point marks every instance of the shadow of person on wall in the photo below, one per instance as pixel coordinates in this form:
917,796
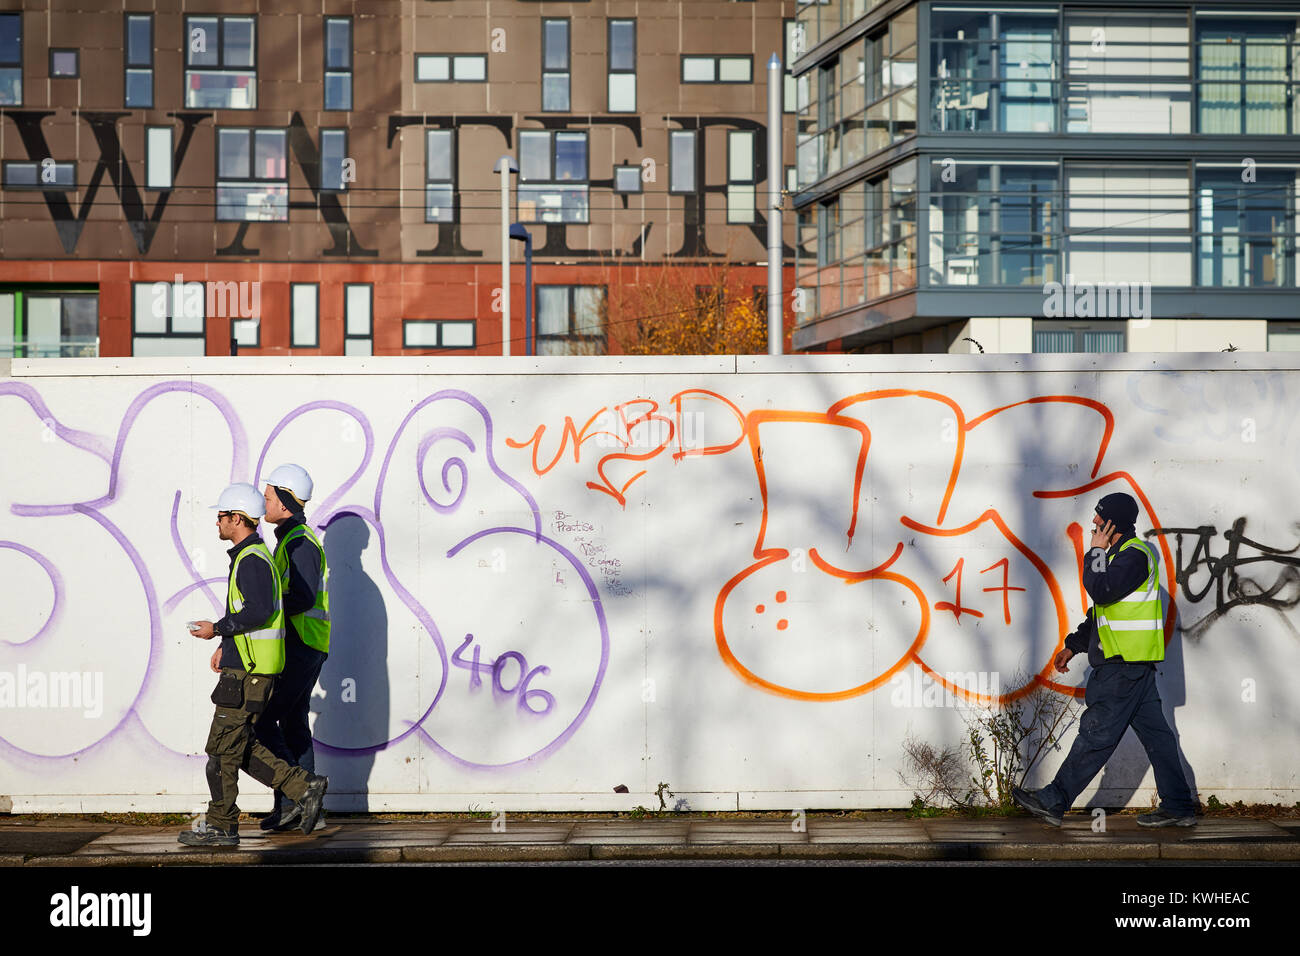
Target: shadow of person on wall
352,715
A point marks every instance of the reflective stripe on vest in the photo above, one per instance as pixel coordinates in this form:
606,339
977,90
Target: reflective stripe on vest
1133,627
261,649
313,625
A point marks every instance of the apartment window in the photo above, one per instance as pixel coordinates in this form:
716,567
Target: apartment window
994,71
821,18
358,326
622,66
552,176
1128,223
1246,232
46,175
338,63
304,303
333,160
555,66
138,81
252,175
439,175
1246,72
63,64
438,334
40,323
168,318
681,161
717,69
11,59
158,157
569,320
220,63
247,333
994,223
1079,337
860,245
741,186
1282,337
1127,73
460,68
627,179
859,102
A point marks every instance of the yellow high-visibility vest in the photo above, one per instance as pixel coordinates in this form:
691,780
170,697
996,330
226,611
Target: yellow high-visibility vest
261,649
1133,627
313,624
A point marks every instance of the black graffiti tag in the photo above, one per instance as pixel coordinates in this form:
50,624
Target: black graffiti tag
1232,589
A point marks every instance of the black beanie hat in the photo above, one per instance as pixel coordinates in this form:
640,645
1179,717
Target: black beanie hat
292,504
1119,509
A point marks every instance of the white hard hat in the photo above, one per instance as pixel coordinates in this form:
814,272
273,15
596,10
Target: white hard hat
293,477
244,498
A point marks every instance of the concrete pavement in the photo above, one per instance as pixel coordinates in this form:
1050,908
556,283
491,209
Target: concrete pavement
534,837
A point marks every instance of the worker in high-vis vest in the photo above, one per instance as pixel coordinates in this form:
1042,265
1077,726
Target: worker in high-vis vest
300,564
1124,637
249,660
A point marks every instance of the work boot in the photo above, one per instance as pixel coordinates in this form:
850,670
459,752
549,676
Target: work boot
310,804
212,836
273,820
289,819
1163,818
1029,800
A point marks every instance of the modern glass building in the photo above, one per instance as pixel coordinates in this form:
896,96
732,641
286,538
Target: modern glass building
1028,176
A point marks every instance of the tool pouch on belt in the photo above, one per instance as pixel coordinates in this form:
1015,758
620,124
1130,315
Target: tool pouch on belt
229,691
257,691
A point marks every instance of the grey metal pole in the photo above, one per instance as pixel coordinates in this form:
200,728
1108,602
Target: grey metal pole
505,166
775,182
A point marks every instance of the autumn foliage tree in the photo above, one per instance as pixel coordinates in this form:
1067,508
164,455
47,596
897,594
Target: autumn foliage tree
675,310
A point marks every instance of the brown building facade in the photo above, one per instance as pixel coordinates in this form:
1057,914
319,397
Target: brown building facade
317,176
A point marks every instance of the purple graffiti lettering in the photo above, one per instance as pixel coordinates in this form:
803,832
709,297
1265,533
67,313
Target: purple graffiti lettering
184,555
498,666
131,728
322,511
436,435
474,667
56,582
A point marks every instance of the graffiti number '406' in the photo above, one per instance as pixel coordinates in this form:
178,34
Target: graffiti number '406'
527,698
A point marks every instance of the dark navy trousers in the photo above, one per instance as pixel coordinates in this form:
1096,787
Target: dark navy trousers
283,727
1120,695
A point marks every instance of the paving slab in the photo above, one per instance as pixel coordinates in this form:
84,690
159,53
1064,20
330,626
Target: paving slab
748,831
515,833
861,833
613,833
1238,830
33,841
978,831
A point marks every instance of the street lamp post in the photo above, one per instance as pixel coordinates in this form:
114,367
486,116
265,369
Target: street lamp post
775,245
505,166
519,232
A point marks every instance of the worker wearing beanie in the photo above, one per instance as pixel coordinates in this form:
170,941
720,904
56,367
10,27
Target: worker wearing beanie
300,562
1123,635
250,657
